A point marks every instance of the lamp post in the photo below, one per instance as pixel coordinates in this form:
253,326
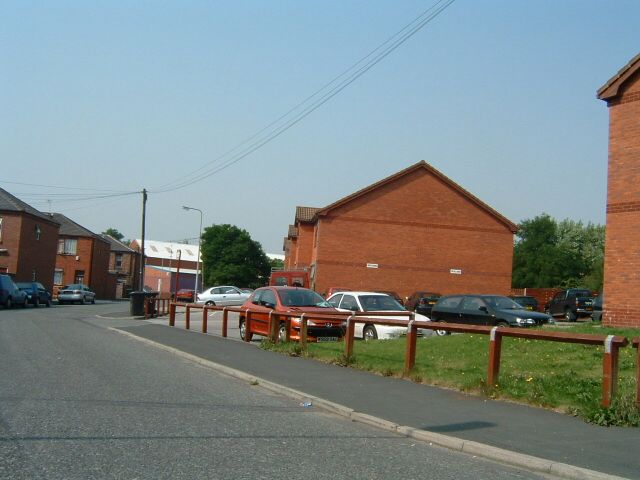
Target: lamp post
195,295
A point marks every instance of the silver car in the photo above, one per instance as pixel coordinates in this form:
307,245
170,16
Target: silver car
223,296
76,292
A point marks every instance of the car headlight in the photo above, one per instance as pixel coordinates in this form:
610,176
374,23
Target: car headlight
525,321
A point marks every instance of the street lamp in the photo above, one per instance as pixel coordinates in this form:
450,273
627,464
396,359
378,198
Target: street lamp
195,295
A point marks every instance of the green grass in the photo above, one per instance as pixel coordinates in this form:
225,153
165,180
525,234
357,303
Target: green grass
560,376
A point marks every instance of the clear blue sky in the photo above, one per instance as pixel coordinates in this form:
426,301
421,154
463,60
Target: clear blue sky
498,95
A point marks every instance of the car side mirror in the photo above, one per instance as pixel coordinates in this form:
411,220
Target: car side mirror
268,305
483,309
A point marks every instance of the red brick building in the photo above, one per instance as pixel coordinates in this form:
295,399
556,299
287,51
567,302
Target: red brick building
415,230
83,257
123,263
28,240
622,250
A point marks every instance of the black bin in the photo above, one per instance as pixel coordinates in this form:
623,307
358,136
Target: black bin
136,303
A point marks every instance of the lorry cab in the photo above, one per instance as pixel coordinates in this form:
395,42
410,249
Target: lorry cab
289,278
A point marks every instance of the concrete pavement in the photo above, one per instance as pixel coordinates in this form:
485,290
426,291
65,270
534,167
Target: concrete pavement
544,440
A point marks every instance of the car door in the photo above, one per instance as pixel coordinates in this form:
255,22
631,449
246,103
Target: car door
447,309
474,311
556,306
231,296
350,303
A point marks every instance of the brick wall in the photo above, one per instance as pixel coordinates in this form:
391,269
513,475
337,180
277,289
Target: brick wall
622,251
303,246
26,254
416,229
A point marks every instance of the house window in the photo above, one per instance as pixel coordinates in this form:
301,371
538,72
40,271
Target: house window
38,231
67,246
79,276
58,276
0,229
118,261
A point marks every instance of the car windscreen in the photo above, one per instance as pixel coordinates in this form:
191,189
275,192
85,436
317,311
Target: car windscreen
302,298
502,303
375,303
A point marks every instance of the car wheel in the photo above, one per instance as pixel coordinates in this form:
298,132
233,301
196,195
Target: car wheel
369,333
24,304
243,330
81,302
569,315
93,301
48,304
282,332
502,323
210,303
9,304
442,333
36,303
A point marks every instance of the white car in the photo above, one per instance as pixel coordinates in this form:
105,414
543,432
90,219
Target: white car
373,302
224,296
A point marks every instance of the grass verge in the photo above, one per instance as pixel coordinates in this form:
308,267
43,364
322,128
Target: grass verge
559,376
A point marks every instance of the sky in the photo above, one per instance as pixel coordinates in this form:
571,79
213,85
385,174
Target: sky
118,96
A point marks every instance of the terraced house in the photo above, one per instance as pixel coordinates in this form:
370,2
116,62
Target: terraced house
28,240
414,230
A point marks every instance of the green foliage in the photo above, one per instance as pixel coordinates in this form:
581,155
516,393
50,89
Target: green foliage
231,257
112,232
558,254
276,263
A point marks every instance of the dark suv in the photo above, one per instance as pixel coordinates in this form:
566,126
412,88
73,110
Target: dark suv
10,294
571,304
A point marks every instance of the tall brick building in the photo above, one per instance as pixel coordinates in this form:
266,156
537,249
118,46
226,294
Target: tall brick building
415,230
28,240
622,248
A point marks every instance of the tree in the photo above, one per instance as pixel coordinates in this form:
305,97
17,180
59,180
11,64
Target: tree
276,263
231,257
565,254
112,232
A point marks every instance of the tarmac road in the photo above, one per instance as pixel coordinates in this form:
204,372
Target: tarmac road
79,401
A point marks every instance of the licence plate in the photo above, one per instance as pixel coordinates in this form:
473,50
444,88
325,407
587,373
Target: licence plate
327,339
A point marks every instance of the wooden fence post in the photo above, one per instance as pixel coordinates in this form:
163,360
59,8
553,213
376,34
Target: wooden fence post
247,325
348,343
273,327
495,347
172,314
609,371
225,321
410,351
303,331
205,318
636,345
187,317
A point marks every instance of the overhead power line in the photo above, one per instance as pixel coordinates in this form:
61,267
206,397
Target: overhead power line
290,118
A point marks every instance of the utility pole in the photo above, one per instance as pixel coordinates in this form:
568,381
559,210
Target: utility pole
142,256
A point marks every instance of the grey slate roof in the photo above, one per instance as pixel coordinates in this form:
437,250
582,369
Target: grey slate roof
72,229
117,245
9,203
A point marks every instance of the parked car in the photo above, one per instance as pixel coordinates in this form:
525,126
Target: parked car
223,296
333,290
76,292
393,294
571,303
290,299
485,310
596,315
422,302
528,302
372,302
247,290
10,294
36,293
184,295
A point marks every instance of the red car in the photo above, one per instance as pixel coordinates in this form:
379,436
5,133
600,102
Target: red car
184,295
290,299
